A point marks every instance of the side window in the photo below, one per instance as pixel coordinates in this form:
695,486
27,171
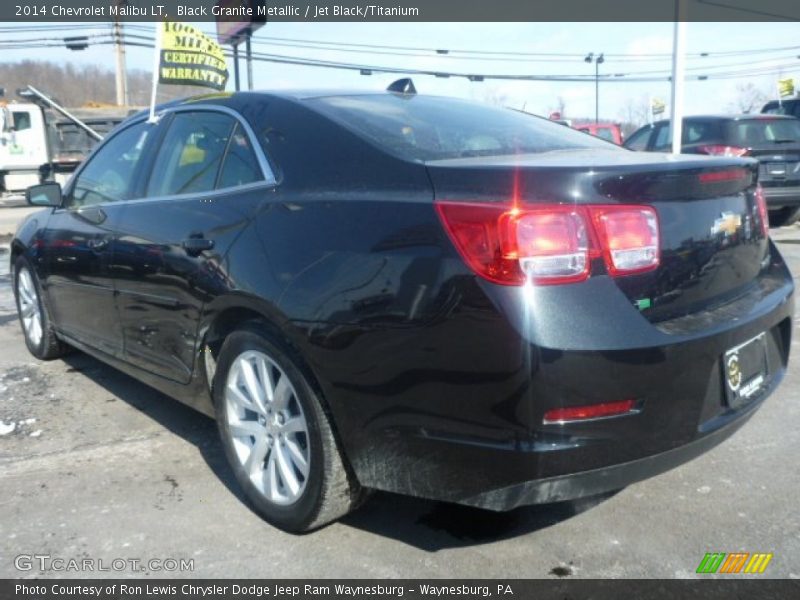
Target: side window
22,120
108,176
638,141
241,165
663,142
191,153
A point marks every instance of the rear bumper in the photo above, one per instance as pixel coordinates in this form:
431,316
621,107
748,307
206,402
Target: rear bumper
778,197
606,479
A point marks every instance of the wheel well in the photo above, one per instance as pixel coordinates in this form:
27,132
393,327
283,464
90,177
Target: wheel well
16,250
231,319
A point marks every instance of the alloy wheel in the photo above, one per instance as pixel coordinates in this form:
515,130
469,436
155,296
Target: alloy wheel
29,307
268,428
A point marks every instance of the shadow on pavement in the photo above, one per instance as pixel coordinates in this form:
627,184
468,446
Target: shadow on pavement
424,524
181,420
433,526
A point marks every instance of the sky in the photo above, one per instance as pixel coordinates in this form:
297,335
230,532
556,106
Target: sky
635,40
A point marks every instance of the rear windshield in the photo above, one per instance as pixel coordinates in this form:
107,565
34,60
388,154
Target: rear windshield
428,128
789,107
760,132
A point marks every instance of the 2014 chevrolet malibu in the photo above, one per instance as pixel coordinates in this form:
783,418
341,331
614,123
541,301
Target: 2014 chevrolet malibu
414,294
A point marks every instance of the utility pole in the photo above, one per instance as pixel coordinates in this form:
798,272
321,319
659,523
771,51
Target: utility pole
678,71
122,76
249,53
599,60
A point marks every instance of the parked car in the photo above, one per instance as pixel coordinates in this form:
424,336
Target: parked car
610,132
789,107
773,140
413,294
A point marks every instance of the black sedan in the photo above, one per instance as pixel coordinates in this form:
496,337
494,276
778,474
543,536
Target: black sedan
414,294
773,140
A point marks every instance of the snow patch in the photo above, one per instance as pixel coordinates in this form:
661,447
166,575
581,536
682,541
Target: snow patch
6,428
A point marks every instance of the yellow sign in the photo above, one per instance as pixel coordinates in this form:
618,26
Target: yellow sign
658,106
786,87
190,57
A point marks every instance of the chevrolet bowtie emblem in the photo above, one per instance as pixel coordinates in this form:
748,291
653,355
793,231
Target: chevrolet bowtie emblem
727,224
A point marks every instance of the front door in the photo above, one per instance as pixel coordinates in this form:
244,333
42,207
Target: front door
80,238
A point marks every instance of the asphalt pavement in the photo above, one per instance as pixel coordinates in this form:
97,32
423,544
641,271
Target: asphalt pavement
101,467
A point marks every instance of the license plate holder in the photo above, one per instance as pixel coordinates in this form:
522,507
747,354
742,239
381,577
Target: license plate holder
776,169
744,369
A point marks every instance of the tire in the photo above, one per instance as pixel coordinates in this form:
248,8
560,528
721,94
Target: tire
784,216
34,317
282,451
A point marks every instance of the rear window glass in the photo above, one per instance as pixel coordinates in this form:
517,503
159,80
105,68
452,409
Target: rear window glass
428,128
605,133
788,107
757,132
695,132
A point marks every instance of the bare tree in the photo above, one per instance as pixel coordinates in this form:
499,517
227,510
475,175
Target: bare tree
561,107
635,113
749,97
496,96
87,85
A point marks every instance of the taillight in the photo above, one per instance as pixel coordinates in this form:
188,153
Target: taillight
761,202
551,243
628,236
723,176
722,150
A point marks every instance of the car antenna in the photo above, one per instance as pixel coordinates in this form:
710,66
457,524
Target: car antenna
402,86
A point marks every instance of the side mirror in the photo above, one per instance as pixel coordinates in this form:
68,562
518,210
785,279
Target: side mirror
44,194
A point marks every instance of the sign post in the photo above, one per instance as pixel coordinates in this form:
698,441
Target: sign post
232,30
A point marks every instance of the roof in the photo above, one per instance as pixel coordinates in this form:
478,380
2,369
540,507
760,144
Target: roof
739,117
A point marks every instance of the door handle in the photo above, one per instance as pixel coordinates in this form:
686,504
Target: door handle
97,244
194,246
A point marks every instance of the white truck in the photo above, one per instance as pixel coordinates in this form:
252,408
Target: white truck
40,140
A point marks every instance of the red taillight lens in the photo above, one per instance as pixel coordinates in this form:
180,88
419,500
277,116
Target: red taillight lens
591,411
552,243
761,202
548,244
479,235
629,237
720,150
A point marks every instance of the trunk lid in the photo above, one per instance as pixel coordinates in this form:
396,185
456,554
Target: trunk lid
711,242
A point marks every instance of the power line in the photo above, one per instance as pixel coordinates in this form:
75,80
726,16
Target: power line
639,77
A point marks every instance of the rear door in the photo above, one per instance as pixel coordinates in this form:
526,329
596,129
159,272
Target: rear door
80,237
206,183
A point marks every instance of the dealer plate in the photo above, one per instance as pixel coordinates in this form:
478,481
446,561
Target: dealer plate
744,369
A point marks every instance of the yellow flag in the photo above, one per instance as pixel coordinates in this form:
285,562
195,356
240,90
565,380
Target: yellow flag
190,57
657,106
786,87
